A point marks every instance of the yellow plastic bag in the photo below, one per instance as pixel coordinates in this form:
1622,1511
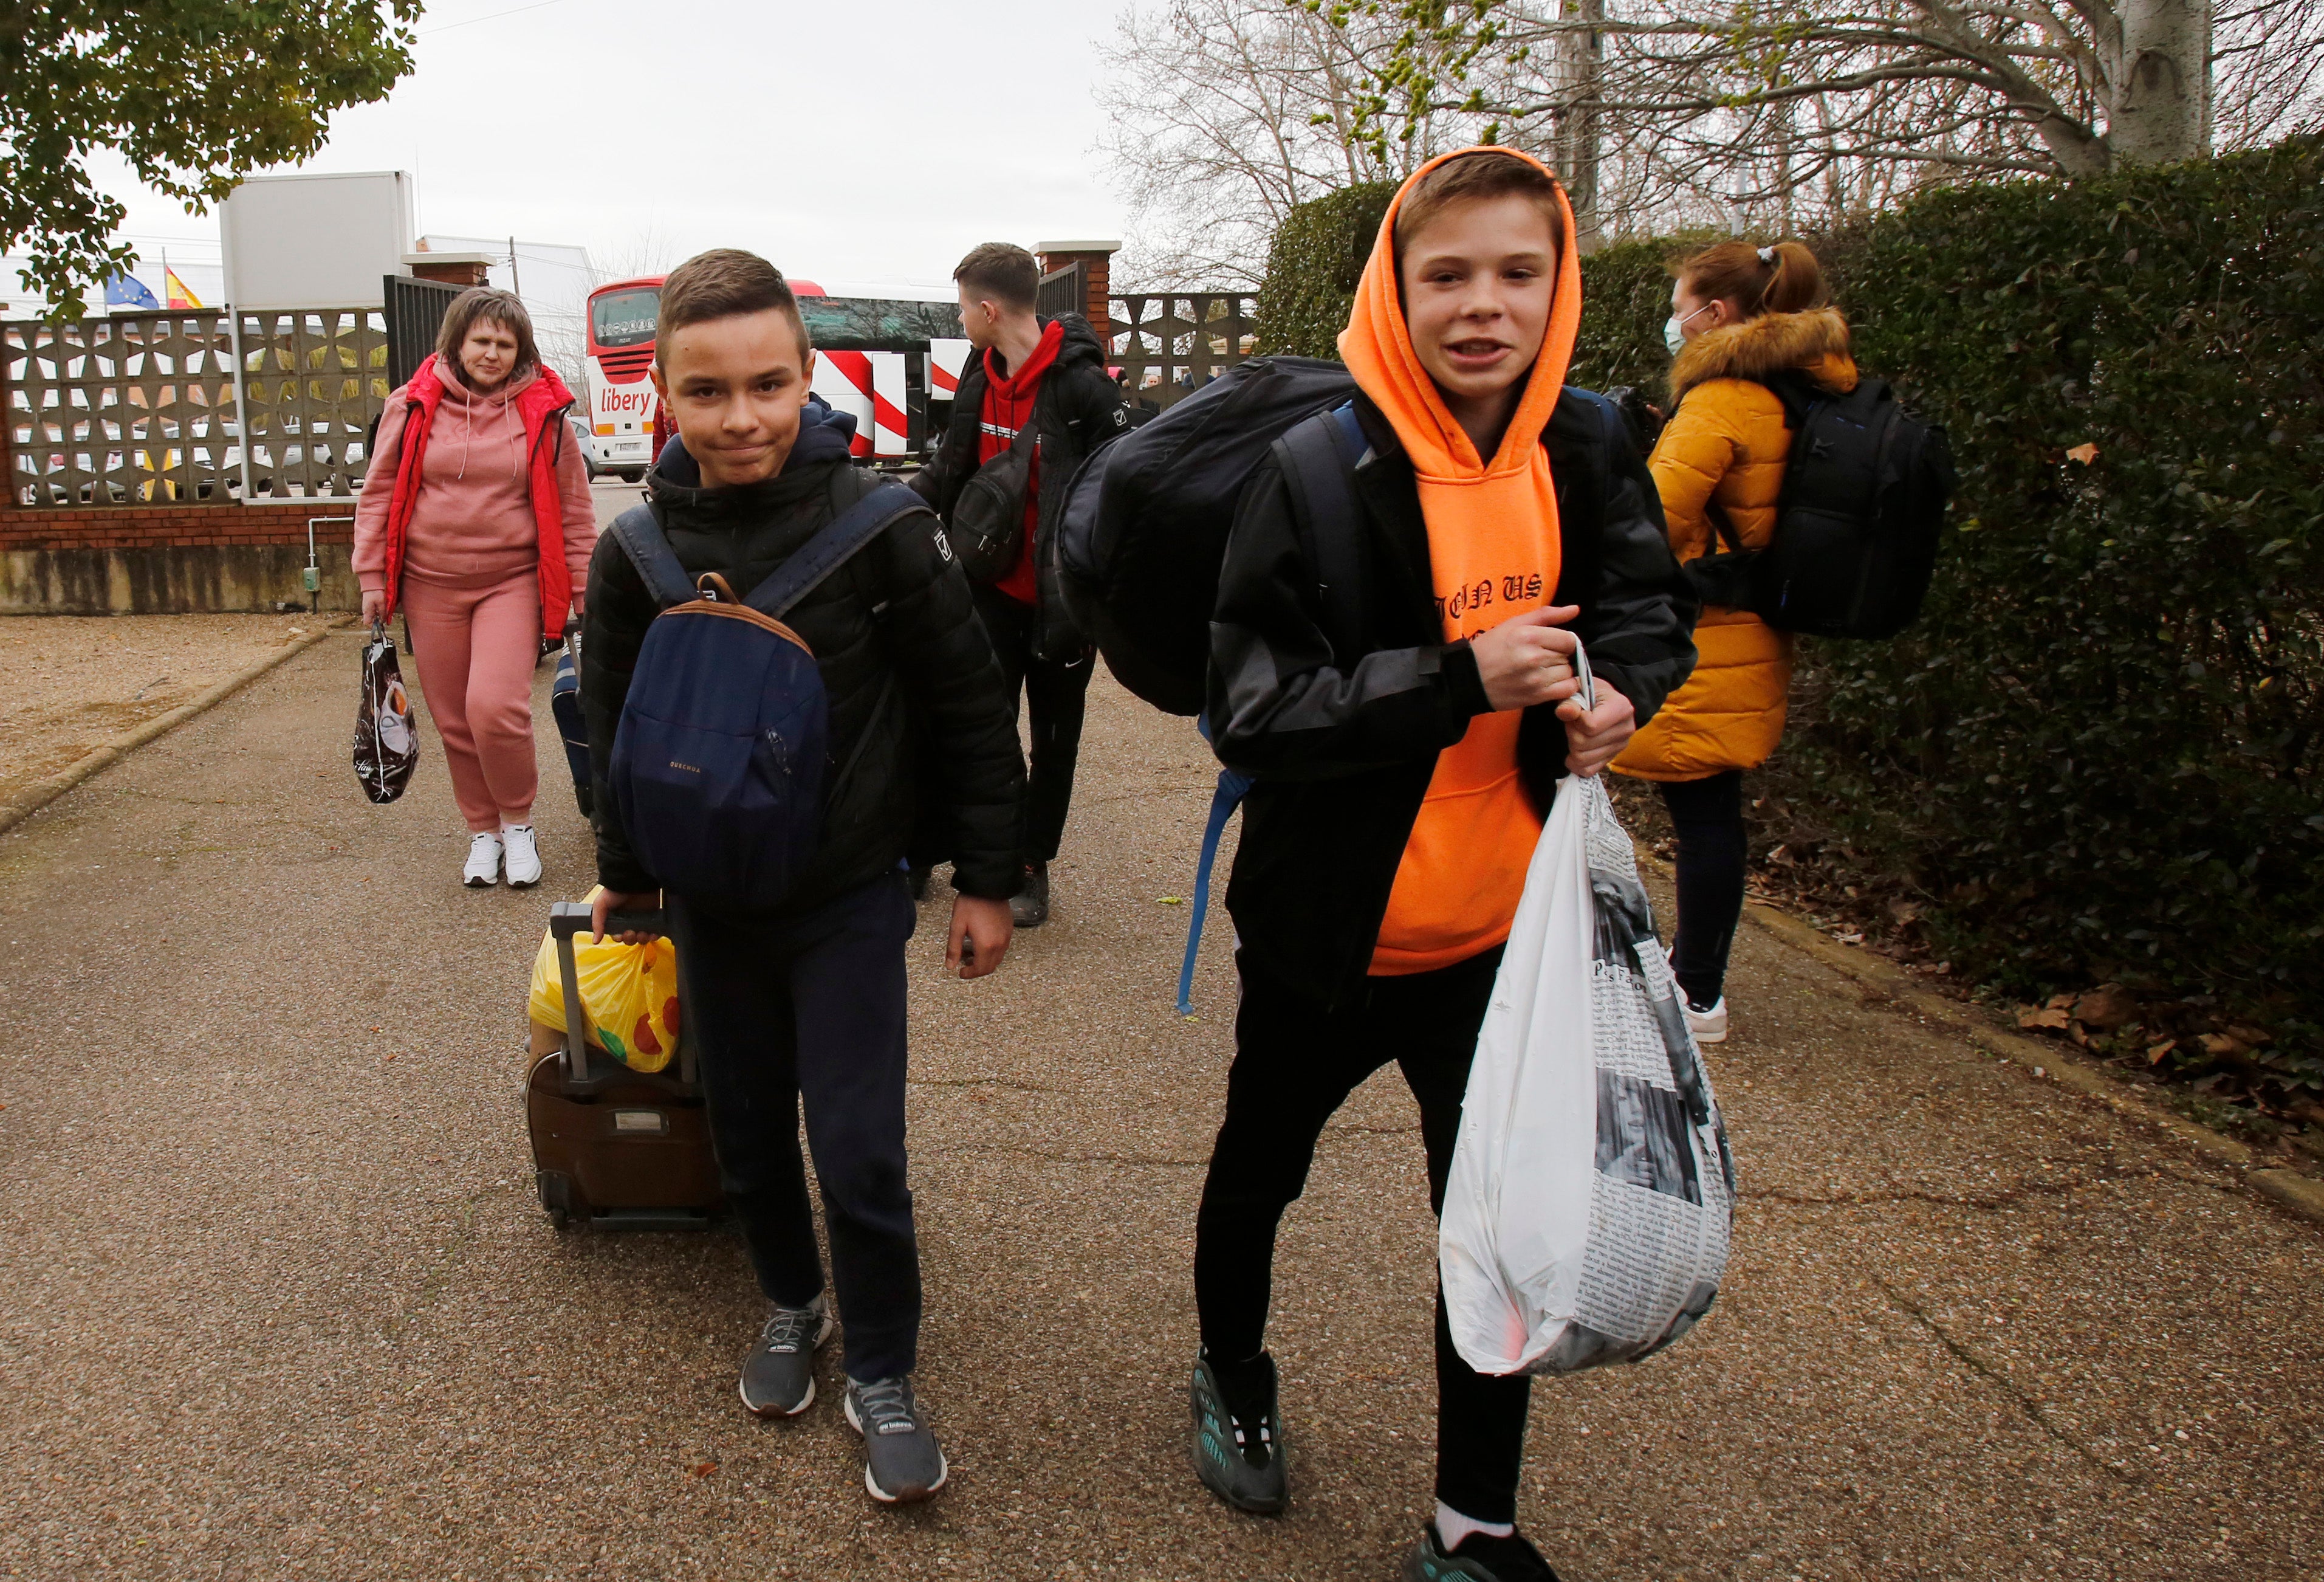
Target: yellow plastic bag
629,993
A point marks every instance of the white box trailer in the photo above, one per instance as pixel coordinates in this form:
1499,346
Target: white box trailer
316,240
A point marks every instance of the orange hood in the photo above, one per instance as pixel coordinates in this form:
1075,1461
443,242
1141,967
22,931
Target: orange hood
1459,489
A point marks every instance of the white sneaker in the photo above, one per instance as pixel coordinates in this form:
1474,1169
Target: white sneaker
484,869
1708,1026
524,856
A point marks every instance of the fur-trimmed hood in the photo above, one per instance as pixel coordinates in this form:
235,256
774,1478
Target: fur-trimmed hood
1815,342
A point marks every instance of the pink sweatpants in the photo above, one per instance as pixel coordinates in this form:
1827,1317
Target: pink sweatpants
475,649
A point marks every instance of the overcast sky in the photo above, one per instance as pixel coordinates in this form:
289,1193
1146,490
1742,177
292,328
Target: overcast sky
853,140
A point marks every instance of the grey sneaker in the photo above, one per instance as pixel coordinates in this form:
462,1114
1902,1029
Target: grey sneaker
779,1380
1481,1557
1238,1457
901,1461
1030,908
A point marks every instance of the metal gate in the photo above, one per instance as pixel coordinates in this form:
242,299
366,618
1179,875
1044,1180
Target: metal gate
415,313
1063,290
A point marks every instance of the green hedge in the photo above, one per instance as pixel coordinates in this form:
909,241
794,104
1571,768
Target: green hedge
1312,264
2098,752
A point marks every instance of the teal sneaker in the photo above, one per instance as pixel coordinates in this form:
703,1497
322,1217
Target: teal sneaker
1239,1454
1481,1557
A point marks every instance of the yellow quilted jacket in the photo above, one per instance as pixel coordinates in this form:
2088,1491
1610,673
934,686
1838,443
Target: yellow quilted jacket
1727,440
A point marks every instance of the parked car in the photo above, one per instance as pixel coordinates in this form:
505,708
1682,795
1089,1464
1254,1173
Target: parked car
625,454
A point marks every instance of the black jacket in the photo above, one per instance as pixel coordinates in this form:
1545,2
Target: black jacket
1079,408
1342,745
894,634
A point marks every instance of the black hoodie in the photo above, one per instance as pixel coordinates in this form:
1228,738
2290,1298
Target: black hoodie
1080,408
895,635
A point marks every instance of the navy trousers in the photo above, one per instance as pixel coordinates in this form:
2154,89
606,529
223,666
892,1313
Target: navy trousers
810,1010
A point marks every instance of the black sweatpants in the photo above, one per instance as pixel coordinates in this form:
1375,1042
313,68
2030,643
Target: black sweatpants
811,1008
1294,1066
1056,695
1711,862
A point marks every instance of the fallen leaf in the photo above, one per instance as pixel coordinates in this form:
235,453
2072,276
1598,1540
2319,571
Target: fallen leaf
705,1468
2156,1051
2221,1043
2085,454
2050,1016
2080,1034
2061,1002
1906,912
1781,855
2106,1007
1849,937
1171,899
2251,1037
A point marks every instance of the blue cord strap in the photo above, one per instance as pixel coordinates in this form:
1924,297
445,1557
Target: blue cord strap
1223,801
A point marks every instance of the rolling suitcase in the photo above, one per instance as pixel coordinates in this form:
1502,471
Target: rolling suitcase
565,704
614,1148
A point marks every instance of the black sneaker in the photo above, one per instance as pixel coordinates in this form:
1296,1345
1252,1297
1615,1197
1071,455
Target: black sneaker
1239,1450
1481,1557
779,1380
1029,907
901,1461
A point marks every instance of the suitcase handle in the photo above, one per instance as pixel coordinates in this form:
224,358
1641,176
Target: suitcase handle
567,919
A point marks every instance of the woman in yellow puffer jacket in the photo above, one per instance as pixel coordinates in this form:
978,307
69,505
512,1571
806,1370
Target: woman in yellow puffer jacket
1740,316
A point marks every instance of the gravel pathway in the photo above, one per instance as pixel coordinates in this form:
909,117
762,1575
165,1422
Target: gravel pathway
281,1302
75,682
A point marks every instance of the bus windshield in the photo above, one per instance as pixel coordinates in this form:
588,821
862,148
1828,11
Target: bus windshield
624,318
854,323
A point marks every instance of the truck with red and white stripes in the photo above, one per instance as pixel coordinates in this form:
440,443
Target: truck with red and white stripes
885,358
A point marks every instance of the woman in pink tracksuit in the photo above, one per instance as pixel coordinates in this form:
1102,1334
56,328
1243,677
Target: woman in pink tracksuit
475,516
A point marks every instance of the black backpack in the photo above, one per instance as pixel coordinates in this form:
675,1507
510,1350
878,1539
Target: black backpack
1144,526
987,525
1856,530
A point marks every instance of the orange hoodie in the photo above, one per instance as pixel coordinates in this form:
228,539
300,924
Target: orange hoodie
1493,554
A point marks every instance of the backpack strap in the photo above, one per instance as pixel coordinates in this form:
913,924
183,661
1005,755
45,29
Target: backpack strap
1722,524
1318,455
814,561
1232,789
640,534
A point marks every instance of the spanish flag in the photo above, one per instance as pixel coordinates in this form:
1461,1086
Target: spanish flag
179,297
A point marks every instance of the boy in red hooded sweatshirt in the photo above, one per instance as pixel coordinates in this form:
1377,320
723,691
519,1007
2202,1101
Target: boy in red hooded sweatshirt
1400,787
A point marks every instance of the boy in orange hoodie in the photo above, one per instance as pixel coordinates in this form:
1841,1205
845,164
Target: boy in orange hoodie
1403,764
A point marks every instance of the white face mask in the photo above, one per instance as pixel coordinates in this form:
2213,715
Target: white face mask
1675,329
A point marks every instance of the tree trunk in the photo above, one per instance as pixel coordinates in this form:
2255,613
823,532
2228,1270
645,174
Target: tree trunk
2162,108
1578,130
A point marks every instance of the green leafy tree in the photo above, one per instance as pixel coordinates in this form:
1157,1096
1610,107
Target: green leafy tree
194,94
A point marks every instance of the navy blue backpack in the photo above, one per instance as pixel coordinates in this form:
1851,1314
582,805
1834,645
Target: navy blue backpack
719,762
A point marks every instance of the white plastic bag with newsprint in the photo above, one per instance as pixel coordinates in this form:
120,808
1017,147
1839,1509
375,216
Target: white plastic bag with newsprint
1587,1217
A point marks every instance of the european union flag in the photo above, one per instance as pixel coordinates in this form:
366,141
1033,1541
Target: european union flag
127,290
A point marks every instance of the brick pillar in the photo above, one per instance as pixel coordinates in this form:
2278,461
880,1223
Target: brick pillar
451,269
1098,256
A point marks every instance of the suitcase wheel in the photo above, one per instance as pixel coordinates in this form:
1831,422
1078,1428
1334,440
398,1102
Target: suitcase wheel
557,1198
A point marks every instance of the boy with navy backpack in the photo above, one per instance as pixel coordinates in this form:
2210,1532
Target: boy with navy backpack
771,800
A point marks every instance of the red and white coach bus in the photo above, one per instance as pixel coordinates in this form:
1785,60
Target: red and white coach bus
883,358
